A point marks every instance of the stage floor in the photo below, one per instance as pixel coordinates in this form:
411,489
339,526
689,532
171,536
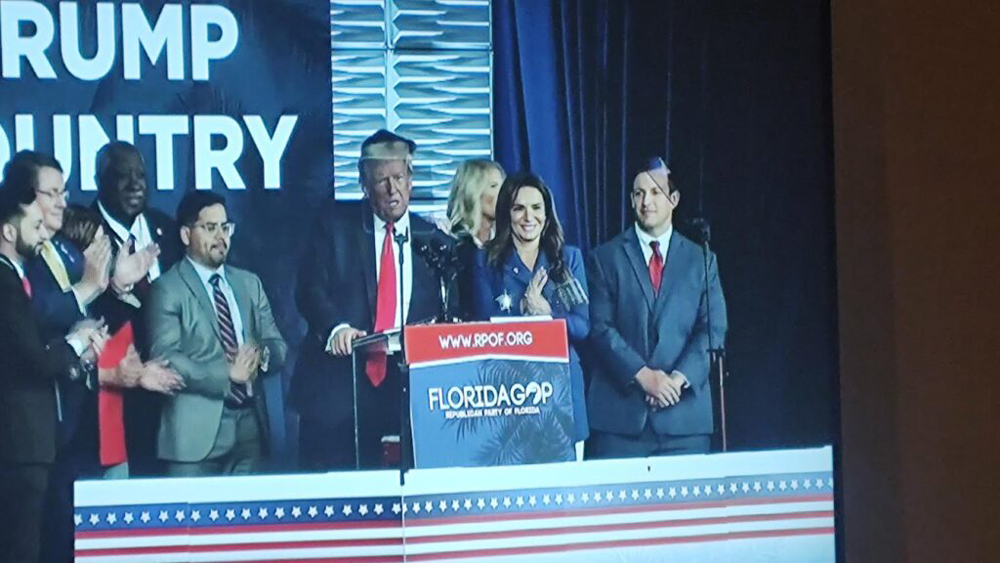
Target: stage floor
761,506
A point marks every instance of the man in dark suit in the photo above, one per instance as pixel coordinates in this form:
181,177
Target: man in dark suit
348,286
65,285
649,315
213,323
122,200
30,367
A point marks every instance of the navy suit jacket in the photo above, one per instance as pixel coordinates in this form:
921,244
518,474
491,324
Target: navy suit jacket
632,328
57,311
514,277
337,284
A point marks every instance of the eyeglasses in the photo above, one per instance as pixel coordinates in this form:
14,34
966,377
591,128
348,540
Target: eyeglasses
54,196
213,228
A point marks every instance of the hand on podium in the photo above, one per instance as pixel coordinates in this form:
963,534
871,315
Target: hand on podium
340,342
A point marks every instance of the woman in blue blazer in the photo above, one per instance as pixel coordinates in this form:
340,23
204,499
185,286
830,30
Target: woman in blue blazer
518,271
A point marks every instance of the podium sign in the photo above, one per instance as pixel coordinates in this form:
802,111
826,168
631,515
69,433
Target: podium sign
485,394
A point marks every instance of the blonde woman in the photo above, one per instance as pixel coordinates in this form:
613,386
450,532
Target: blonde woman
471,215
473,199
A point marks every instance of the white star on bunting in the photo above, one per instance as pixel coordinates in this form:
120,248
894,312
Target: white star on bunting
363,510
94,519
196,515
77,519
347,510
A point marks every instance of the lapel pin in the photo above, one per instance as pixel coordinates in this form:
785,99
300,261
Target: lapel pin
504,301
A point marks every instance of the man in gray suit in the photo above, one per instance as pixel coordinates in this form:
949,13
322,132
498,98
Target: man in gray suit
649,325
213,324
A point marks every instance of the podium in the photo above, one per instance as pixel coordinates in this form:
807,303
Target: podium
387,432
487,394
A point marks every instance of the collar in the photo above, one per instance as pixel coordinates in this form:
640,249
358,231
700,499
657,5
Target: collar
205,274
119,229
400,226
14,264
645,238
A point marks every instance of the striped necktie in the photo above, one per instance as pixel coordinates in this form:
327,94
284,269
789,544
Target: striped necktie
238,391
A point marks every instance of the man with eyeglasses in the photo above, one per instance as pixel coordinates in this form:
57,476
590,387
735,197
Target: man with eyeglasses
32,361
213,324
67,285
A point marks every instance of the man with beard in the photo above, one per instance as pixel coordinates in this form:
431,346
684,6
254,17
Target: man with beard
66,283
122,198
213,324
348,286
31,364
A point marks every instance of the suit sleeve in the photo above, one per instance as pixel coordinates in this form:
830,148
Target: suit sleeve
693,361
38,357
315,284
484,304
57,310
269,334
621,362
164,317
578,318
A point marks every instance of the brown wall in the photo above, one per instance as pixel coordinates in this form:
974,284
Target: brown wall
916,121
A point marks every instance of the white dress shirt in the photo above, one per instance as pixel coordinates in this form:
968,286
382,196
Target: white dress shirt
139,230
205,275
647,254
378,232
646,238
401,226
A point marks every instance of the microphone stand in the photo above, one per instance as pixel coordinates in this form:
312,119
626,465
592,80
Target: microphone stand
404,369
716,355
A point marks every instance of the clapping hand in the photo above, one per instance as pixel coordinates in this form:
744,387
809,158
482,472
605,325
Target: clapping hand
131,267
245,364
159,378
96,264
533,302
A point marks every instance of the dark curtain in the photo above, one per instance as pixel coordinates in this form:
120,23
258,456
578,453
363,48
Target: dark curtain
736,97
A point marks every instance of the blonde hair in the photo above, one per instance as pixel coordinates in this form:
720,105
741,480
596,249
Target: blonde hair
465,201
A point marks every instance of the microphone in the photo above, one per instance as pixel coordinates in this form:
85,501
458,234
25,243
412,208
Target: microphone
701,230
401,238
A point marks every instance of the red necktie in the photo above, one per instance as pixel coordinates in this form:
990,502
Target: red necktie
385,307
655,266
26,285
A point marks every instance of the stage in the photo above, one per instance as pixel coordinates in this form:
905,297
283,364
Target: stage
760,506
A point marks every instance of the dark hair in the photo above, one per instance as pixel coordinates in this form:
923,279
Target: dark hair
192,204
80,225
104,157
551,243
385,136
653,163
20,180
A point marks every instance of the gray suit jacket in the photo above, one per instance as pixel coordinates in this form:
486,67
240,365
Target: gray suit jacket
630,327
184,330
